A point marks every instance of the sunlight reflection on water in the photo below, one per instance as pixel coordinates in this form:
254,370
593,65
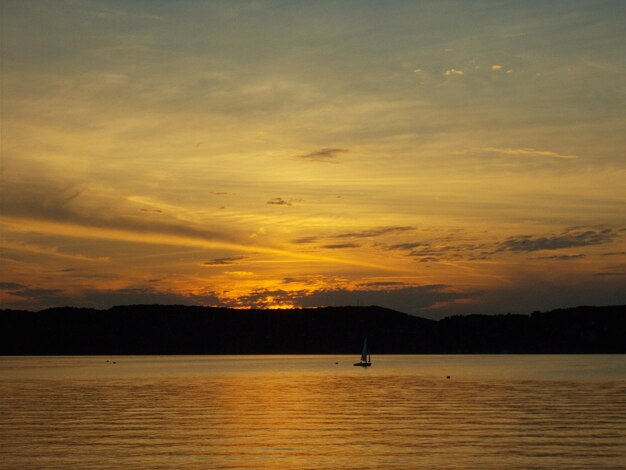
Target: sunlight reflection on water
308,412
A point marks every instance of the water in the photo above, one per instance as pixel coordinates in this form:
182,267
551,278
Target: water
307,412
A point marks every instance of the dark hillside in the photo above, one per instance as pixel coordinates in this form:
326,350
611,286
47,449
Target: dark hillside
577,330
156,329
175,329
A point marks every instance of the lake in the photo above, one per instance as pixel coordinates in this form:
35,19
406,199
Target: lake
311,412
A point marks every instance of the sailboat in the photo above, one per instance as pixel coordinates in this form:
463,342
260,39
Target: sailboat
365,360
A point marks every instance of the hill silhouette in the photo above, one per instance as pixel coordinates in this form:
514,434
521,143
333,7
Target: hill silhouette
176,329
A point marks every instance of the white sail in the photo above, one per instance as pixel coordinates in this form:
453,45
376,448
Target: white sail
365,362
364,352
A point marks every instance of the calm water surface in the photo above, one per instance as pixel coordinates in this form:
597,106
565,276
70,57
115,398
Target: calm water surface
257,412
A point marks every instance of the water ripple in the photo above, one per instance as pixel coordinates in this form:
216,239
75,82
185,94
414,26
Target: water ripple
271,418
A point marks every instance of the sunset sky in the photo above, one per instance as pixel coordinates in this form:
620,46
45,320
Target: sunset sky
435,157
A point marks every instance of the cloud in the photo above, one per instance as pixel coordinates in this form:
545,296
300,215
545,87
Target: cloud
382,284
325,154
614,253
63,204
334,246
375,232
562,257
304,240
448,248
142,295
8,246
538,291
429,251
524,152
33,297
426,252
278,201
451,72
412,299
569,239
37,298
405,299
265,298
223,261
47,207
299,280
11,286
407,246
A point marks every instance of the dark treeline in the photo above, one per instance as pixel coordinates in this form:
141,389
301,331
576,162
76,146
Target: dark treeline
158,329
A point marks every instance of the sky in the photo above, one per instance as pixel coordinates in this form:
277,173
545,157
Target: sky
433,157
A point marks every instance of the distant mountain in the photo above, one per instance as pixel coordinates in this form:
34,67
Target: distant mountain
176,329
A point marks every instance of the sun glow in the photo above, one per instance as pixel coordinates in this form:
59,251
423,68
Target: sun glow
268,302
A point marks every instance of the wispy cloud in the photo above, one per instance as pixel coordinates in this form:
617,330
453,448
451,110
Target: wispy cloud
49,207
335,246
562,257
48,251
325,154
426,252
37,298
296,280
569,239
382,284
407,246
304,240
57,202
439,249
29,297
223,261
11,286
523,152
409,299
279,201
375,232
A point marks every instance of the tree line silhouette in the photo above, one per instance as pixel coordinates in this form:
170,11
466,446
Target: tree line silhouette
177,329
